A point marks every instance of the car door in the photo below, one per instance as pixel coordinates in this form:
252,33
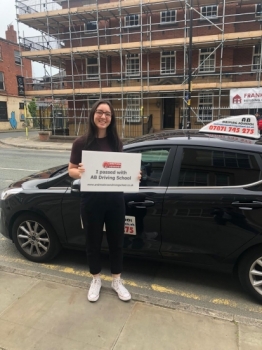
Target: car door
143,208
208,213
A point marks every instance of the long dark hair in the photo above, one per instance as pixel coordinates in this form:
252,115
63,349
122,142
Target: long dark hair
111,131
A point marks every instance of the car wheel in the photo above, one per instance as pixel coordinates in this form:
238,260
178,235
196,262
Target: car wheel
35,238
250,272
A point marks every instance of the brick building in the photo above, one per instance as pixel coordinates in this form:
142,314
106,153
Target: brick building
142,54
11,80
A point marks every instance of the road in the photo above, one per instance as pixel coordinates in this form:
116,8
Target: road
200,288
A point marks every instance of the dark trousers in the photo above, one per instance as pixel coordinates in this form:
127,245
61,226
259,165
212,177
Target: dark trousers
98,209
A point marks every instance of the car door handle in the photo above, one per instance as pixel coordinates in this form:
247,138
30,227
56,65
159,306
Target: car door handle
248,205
141,204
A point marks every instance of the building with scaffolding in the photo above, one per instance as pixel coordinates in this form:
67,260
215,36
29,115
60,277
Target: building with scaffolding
11,81
159,62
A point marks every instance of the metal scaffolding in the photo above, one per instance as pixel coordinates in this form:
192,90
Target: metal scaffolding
136,53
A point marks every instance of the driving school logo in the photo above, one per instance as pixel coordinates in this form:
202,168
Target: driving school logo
107,165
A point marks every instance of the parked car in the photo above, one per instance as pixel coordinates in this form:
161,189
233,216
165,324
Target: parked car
199,202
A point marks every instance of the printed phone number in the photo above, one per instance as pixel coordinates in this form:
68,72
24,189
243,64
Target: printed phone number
231,129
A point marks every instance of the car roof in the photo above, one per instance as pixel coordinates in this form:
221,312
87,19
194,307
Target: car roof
195,138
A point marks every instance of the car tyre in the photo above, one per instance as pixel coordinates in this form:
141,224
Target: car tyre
35,238
250,272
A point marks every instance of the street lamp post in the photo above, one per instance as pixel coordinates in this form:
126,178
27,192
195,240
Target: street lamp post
188,124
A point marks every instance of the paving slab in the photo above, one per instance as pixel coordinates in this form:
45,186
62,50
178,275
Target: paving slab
250,337
12,287
51,312
154,328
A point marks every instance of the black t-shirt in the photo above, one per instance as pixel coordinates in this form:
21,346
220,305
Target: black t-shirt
100,144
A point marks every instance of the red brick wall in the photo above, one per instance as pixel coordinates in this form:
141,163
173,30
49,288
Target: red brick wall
11,69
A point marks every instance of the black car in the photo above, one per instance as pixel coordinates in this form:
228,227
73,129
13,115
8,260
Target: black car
199,202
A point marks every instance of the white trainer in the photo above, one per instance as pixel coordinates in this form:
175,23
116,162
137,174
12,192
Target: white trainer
94,290
123,293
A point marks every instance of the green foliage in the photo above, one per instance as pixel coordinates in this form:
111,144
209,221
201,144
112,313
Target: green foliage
32,108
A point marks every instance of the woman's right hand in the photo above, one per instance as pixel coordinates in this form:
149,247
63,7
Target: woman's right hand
81,169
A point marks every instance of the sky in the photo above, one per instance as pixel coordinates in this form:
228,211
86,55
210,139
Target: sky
8,16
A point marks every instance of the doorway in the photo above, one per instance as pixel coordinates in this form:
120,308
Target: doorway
169,113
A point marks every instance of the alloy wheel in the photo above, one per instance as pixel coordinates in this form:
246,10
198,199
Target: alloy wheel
33,238
255,275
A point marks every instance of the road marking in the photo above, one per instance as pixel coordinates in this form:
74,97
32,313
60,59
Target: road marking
153,287
19,169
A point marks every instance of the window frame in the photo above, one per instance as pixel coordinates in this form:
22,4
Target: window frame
258,56
133,110
6,114
130,19
203,17
92,76
164,55
1,53
2,75
169,14
18,59
203,95
89,31
258,13
207,57
129,59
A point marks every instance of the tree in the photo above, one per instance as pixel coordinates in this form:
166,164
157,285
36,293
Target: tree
32,108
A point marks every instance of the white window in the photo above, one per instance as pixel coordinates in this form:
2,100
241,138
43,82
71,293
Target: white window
256,60
18,59
92,67
209,11
258,10
132,21
168,17
205,106
132,65
132,112
90,26
206,60
168,62
2,83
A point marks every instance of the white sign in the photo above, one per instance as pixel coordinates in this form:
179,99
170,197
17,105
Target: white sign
246,98
240,126
130,225
110,171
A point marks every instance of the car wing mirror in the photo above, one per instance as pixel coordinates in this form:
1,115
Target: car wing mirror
75,186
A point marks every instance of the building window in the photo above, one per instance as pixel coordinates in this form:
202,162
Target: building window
258,10
207,60
168,62
21,105
1,56
205,107
3,111
90,26
168,17
18,59
256,60
133,108
2,82
132,21
92,67
132,65
209,11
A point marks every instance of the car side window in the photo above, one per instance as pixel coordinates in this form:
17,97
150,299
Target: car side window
201,167
152,165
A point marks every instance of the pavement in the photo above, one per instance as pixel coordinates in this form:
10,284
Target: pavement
44,312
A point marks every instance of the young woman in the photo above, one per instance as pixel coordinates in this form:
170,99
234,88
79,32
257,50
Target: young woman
98,208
